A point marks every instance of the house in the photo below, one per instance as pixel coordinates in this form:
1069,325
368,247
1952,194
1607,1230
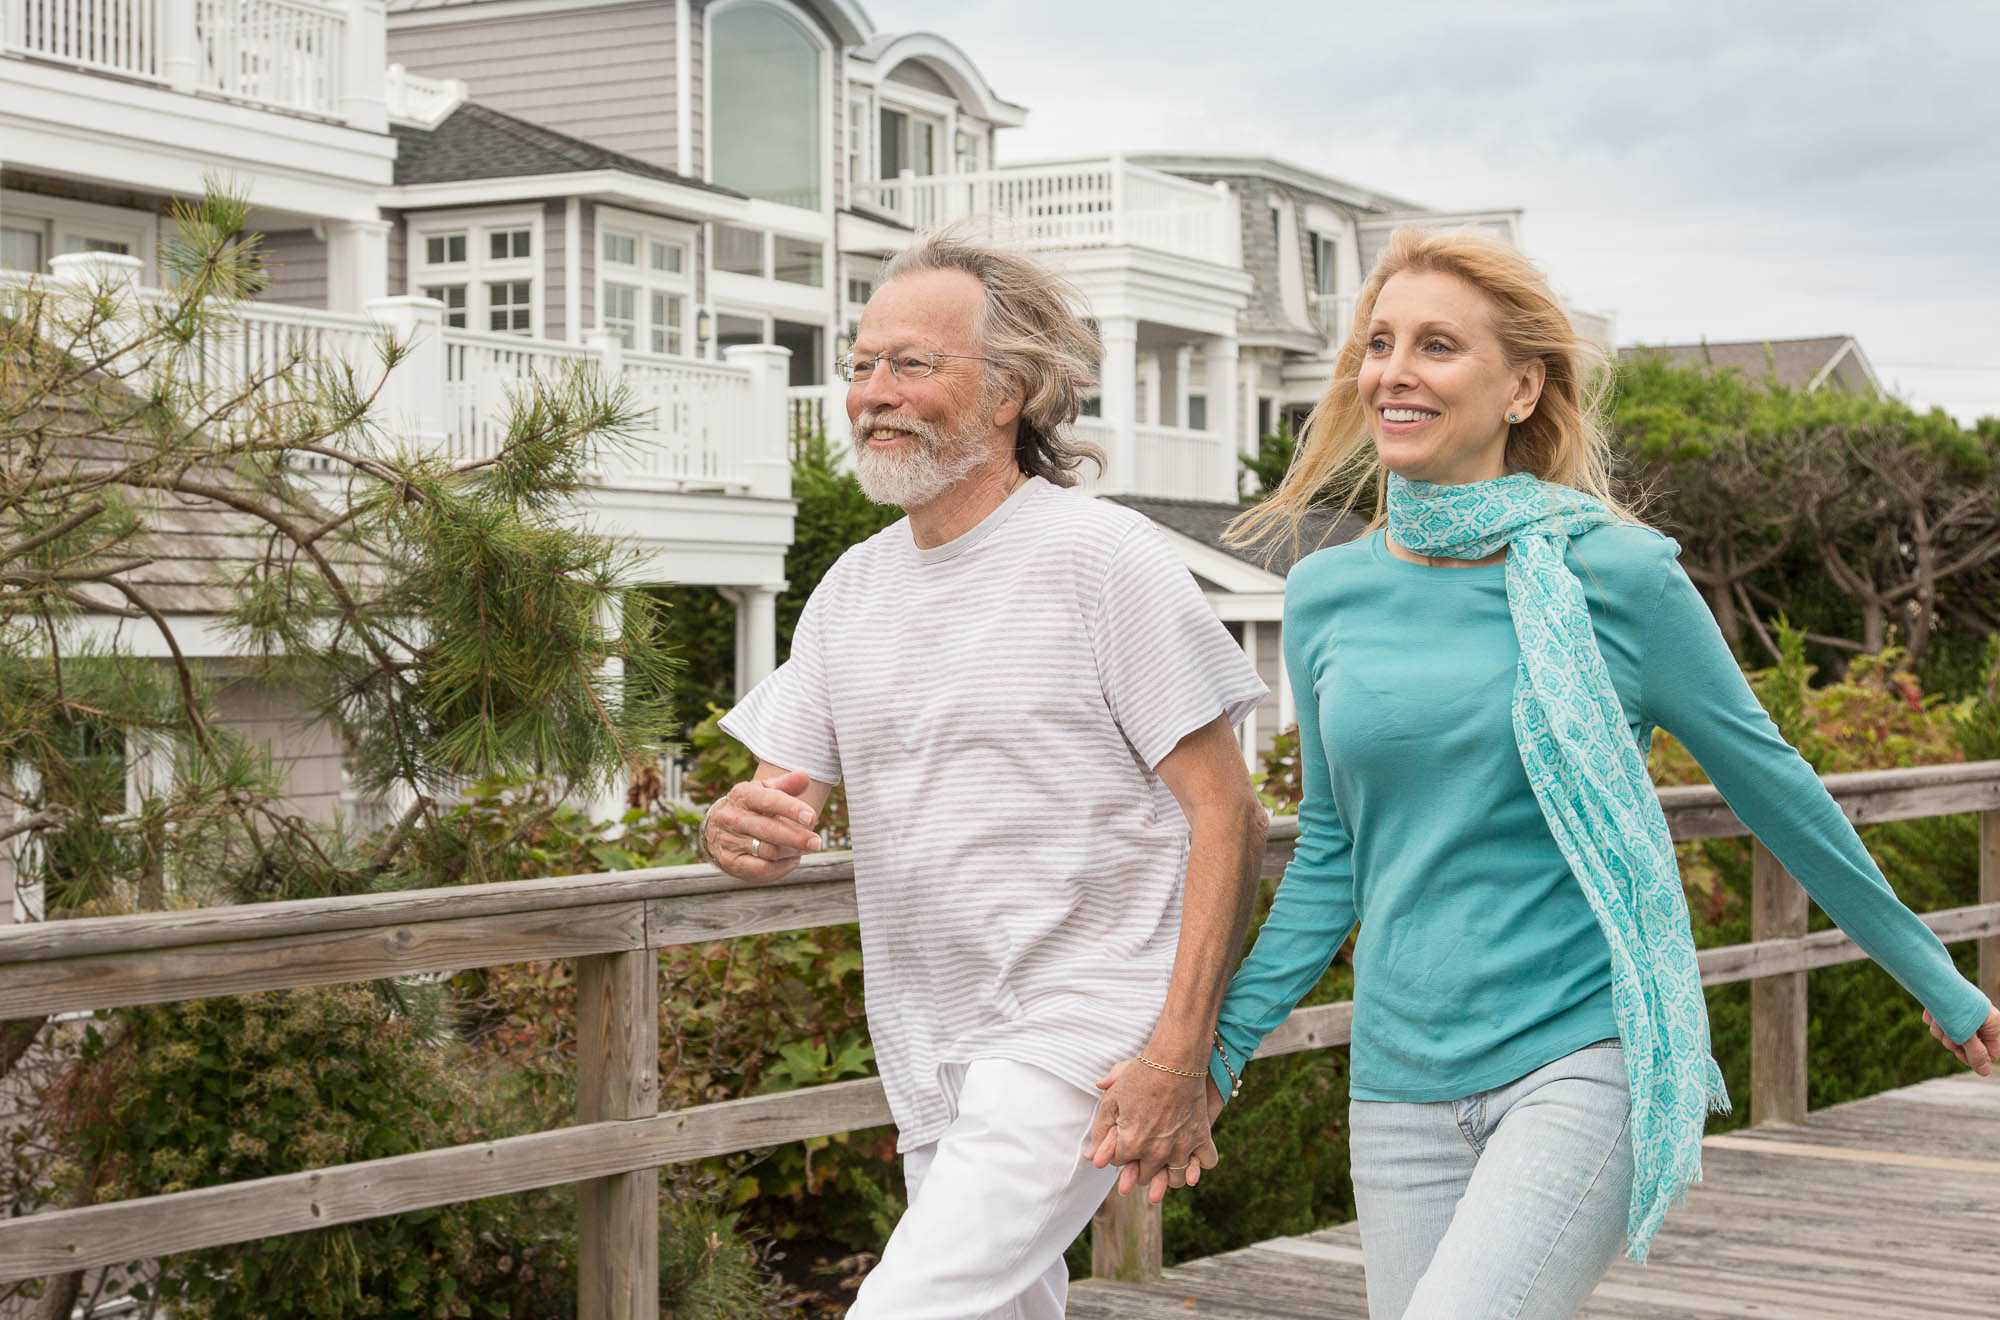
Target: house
696,195
1832,362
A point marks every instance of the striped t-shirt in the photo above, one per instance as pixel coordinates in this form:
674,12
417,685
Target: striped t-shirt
996,706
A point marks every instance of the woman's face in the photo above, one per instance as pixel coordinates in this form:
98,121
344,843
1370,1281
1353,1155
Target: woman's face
1436,383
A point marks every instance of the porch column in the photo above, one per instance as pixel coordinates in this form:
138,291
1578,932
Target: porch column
1146,404
609,802
756,634
1120,396
357,263
1220,358
363,69
180,45
1246,416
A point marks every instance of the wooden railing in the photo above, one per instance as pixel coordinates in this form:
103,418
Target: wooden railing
611,924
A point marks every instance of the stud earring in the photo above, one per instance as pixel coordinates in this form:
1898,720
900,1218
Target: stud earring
1513,417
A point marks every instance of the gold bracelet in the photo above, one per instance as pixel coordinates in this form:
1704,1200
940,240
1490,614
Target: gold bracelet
1178,1072
1235,1082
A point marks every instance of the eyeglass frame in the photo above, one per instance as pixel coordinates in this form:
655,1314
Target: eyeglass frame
843,366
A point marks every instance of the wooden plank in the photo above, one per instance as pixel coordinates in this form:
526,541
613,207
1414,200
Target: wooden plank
115,980
1125,1239
1989,892
1318,1027
1887,1158
1830,948
61,1241
747,911
1779,909
1697,811
618,1077
153,931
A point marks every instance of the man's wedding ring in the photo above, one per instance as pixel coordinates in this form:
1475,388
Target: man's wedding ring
1175,1168
756,847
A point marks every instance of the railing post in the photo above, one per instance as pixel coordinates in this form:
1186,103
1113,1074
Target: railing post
766,462
1778,910
413,400
1989,892
1125,1239
1119,205
618,1076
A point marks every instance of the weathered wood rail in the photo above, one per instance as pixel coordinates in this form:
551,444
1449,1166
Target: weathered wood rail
611,922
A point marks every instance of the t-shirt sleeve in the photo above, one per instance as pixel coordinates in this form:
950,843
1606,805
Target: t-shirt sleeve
1694,690
1166,663
1313,912
787,719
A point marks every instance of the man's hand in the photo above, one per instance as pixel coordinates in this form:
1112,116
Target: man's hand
758,830
1154,1123
1978,1052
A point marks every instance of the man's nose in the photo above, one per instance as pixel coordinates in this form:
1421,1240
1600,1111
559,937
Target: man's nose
881,388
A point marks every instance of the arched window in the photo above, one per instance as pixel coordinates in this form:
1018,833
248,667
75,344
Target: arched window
764,105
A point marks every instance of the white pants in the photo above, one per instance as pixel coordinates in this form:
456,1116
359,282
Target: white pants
994,1203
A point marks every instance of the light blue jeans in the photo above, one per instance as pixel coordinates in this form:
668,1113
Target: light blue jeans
1506,1205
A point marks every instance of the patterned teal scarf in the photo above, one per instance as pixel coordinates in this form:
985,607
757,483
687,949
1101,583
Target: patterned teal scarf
1590,778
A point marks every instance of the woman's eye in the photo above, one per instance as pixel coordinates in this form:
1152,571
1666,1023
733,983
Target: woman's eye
1438,346
1378,345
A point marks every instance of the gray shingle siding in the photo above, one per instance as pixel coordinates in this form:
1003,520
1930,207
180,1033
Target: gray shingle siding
606,75
295,262
555,243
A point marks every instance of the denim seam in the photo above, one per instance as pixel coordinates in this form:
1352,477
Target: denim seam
1470,1128
1514,1311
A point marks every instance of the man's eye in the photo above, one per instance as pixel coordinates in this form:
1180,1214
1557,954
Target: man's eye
860,367
914,366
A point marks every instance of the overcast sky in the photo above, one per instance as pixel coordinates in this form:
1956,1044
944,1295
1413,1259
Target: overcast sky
1754,169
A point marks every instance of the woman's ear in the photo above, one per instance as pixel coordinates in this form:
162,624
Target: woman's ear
1528,387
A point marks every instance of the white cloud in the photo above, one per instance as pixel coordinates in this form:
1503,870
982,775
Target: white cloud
1764,167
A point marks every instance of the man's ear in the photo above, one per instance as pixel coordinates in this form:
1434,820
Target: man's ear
1008,411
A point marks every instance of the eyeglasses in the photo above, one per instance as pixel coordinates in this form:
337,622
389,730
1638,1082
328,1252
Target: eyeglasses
903,366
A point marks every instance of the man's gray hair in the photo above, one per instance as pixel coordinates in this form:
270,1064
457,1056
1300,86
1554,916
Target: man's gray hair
1034,329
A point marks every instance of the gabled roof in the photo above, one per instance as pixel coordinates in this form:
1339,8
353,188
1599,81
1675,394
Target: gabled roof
1800,364
1206,520
478,142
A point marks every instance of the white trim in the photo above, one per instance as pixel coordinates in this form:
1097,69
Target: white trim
683,89
1226,571
873,62
608,185
1269,169
480,269
923,102
573,269
799,16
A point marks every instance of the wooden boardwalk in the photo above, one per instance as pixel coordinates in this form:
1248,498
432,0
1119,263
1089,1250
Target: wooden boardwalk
1886,1208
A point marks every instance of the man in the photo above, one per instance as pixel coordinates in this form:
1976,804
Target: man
1033,710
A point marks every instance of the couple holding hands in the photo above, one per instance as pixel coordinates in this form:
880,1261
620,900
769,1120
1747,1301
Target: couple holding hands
1056,844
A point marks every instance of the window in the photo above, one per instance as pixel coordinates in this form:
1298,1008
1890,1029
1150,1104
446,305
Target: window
646,304
808,357
1197,412
739,251
510,307
764,105
798,261
621,312
667,319
87,243
909,142
857,142
859,291
21,248
1326,273
484,272
453,298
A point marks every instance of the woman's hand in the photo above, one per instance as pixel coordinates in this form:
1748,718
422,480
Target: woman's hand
1981,1050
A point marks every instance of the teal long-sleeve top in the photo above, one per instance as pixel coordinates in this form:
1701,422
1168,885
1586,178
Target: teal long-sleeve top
1478,959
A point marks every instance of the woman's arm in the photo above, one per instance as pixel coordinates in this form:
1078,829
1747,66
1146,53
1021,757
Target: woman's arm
1694,689
1314,909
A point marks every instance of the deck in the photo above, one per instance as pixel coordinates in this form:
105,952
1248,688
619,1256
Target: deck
1884,1208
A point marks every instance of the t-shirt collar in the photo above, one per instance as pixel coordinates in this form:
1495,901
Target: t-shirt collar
985,527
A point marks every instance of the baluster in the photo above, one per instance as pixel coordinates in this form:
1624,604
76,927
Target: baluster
1989,892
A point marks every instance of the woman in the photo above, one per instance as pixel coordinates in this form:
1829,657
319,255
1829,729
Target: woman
1477,678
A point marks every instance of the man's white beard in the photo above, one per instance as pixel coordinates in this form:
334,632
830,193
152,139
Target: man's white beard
930,465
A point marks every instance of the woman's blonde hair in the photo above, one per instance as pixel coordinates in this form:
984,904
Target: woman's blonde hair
1562,440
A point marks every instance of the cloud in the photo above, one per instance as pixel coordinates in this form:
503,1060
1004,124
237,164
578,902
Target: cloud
1754,168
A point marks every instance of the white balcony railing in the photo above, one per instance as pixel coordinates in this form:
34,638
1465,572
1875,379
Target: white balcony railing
1165,462
284,54
1106,202
704,425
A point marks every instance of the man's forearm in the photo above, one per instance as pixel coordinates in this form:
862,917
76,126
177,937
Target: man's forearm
1225,859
